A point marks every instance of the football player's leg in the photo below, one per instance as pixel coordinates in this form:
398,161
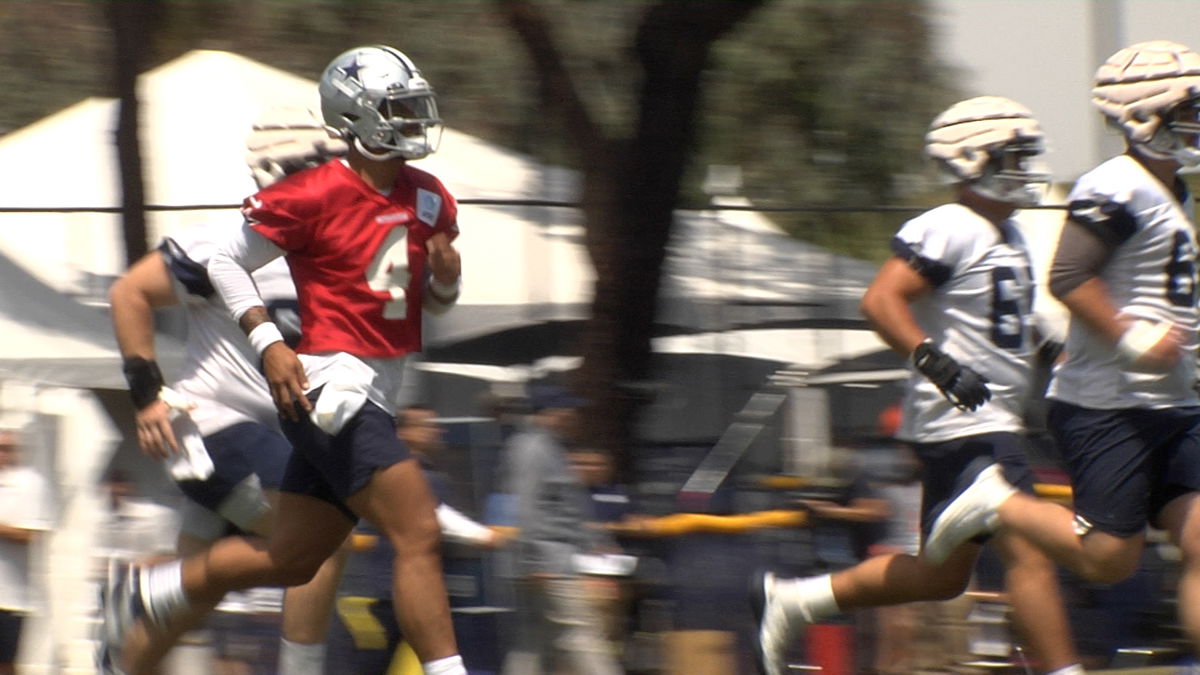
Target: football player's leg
398,502
307,610
373,475
1039,614
1101,536
1180,517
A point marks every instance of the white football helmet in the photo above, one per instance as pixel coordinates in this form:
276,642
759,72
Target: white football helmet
286,139
992,144
375,98
1151,91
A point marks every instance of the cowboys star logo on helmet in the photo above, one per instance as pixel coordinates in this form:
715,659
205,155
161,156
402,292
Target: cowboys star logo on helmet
1151,91
375,98
990,143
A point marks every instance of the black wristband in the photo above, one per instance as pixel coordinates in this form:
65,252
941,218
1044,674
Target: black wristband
145,380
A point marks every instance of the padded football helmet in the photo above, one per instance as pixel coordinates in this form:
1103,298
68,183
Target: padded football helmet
375,98
1151,91
990,143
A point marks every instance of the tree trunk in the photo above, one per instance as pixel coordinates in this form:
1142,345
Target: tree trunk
630,190
131,24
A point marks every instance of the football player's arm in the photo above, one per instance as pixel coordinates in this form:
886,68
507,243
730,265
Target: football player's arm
229,270
445,277
1075,280
886,305
133,298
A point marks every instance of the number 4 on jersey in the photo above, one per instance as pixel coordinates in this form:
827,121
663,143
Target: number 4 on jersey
388,272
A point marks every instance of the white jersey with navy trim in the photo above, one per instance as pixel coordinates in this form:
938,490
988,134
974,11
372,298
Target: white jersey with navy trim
979,312
221,373
1150,275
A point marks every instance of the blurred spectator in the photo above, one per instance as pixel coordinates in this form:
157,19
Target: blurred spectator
558,627
595,469
24,515
900,641
368,639
134,528
848,513
610,505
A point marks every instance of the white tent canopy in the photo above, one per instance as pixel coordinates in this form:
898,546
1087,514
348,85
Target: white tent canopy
523,265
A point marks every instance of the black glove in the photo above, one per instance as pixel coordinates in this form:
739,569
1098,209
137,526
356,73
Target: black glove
964,387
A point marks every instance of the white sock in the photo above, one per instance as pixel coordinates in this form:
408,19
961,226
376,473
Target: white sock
162,591
297,658
809,598
1073,669
451,665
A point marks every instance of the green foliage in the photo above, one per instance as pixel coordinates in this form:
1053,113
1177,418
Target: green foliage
817,102
827,103
39,73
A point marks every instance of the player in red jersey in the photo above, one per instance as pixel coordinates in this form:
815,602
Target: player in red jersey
368,240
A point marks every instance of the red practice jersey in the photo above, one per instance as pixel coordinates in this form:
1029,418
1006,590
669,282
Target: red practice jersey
357,256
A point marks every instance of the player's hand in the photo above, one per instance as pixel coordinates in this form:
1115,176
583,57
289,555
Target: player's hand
1165,353
1151,346
501,535
286,379
444,261
961,385
818,508
155,436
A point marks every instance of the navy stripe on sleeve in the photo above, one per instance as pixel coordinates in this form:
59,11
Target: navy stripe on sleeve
936,273
190,273
1111,222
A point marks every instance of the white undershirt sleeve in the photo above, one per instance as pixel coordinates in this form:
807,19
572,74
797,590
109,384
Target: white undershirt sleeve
230,267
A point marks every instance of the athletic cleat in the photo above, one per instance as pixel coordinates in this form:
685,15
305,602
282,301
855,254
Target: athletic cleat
120,608
971,513
774,632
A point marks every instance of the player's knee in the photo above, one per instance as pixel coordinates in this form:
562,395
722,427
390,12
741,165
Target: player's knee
1113,565
421,534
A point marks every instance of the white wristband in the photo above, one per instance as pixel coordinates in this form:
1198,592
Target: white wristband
445,291
1140,338
264,335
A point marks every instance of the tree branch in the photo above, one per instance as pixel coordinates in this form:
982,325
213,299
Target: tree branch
557,87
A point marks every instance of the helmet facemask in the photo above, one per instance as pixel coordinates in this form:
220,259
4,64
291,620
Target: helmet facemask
1014,173
406,125
1177,136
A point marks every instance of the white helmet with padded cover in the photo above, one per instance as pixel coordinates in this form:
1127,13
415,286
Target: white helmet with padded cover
1151,91
286,139
376,98
990,143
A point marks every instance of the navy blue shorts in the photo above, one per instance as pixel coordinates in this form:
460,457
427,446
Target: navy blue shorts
943,467
10,634
1126,465
331,468
238,451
